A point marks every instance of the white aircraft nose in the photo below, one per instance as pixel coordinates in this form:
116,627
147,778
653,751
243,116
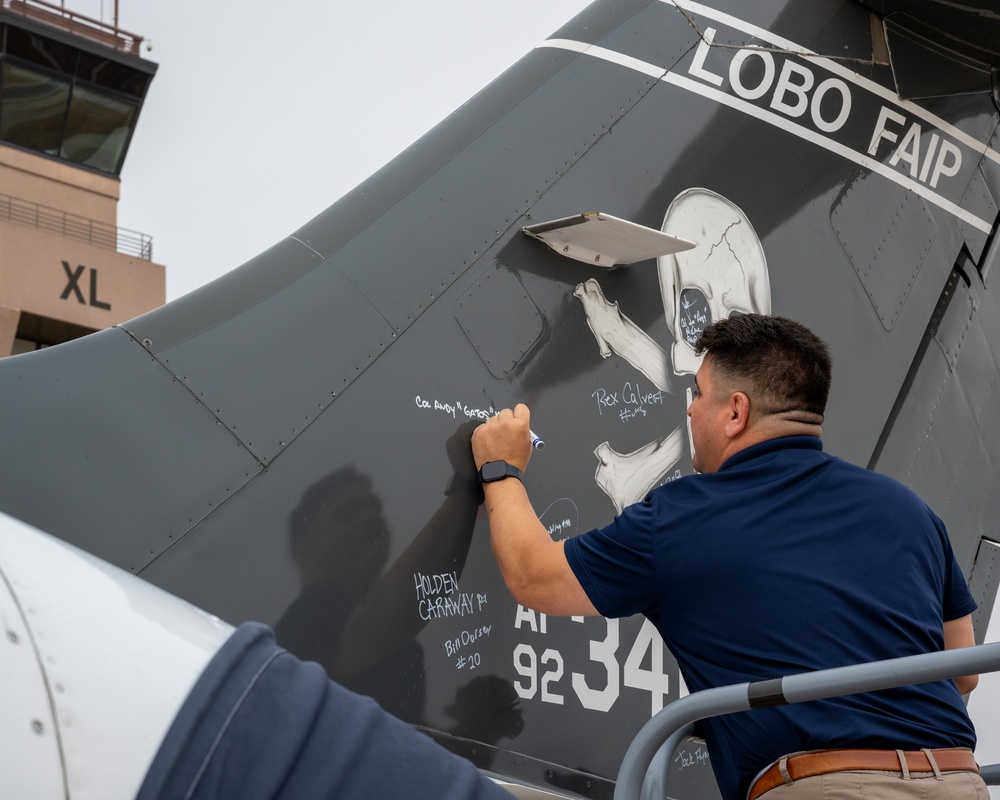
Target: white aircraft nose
94,665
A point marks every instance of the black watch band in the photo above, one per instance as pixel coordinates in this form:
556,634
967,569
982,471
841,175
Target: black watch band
497,471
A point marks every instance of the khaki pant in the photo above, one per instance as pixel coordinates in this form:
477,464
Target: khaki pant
883,786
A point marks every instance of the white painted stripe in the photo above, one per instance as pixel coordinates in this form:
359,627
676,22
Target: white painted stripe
771,118
833,146
839,69
607,55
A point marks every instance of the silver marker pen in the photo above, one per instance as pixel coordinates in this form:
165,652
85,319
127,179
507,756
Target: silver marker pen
537,443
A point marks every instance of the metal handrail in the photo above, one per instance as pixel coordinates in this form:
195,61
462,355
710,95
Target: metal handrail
675,720
74,226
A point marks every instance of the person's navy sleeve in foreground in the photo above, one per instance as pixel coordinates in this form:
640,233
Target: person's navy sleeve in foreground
260,723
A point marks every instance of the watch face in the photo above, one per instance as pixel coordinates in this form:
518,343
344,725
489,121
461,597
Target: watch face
494,470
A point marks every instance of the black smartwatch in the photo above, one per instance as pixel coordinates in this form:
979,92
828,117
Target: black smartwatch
497,471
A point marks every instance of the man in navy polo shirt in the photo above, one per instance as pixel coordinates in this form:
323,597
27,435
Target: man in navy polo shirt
776,559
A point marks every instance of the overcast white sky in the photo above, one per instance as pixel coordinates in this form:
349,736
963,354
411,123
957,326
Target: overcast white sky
262,114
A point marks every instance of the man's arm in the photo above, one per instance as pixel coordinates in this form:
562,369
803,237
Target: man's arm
959,633
534,567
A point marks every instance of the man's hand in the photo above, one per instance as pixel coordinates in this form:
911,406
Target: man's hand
534,567
959,633
504,437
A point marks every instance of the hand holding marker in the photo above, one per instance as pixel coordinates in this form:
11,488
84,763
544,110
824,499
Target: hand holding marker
533,437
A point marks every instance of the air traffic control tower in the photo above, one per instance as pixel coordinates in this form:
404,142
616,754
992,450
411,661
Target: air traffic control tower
71,89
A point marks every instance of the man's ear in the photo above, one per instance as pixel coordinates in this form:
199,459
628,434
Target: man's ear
739,414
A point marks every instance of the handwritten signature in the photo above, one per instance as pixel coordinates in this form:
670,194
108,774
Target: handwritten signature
628,403
455,409
688,758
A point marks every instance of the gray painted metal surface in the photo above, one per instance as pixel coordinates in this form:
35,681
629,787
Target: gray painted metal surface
289,443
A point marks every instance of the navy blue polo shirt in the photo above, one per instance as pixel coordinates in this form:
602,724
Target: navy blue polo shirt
788,560
260,724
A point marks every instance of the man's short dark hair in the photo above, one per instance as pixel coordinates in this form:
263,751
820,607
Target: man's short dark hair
781,363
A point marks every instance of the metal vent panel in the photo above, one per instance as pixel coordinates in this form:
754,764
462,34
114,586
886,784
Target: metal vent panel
500,318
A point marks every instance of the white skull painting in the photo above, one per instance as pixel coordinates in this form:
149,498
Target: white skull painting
725,274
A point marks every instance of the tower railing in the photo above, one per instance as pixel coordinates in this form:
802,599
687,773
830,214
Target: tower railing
74,226
80,24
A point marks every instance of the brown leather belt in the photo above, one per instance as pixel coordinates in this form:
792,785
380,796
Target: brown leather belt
806,765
